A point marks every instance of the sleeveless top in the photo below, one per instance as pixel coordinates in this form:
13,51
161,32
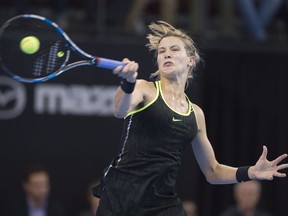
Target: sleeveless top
156,135
152,143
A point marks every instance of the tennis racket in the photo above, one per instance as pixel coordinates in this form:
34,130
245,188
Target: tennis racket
35,49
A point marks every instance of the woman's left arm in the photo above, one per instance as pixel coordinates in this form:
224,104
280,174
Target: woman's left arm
217,173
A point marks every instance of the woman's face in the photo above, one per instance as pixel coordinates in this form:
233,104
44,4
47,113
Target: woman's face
172,57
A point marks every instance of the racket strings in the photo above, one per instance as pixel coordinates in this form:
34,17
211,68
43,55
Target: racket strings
38,66
48,62
52,60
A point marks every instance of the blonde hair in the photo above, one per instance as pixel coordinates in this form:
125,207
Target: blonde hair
162,29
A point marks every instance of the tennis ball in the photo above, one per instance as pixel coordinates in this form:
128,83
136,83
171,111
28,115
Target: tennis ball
60,54
29,45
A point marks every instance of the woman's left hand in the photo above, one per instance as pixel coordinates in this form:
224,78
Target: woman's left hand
267,170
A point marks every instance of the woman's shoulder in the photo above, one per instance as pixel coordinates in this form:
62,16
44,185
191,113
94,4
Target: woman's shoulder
148,89
146,83
196,107
198,111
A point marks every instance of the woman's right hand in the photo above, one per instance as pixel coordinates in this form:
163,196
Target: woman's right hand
129,71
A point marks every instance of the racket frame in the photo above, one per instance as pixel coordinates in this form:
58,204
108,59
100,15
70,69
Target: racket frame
89,61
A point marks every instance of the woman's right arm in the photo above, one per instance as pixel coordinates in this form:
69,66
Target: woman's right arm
125,102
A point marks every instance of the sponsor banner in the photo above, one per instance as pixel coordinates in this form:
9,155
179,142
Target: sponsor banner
52,99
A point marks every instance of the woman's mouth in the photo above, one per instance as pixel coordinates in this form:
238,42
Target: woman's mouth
168,64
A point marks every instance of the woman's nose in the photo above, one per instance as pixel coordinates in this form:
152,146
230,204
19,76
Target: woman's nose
167,55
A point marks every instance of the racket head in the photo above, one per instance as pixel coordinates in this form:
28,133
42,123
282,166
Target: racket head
47,62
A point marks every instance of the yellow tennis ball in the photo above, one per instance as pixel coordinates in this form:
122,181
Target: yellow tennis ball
30,45
60,54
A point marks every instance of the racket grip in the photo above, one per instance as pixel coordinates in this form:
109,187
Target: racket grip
108,63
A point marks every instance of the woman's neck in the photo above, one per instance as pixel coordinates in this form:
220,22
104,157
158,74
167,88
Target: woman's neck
174,95
173,88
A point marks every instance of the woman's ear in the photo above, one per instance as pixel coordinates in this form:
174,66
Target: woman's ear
191,61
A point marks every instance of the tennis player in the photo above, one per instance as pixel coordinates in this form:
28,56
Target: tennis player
160,121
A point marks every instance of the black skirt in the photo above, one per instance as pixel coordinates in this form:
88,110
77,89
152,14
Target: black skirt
124,194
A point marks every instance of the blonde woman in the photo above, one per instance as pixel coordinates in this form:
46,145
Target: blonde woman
160,121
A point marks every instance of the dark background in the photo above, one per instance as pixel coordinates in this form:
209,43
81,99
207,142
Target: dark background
242,92
242,89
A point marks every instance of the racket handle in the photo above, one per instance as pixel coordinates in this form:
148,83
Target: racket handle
108,63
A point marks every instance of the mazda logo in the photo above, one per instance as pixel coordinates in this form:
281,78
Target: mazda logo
12,98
